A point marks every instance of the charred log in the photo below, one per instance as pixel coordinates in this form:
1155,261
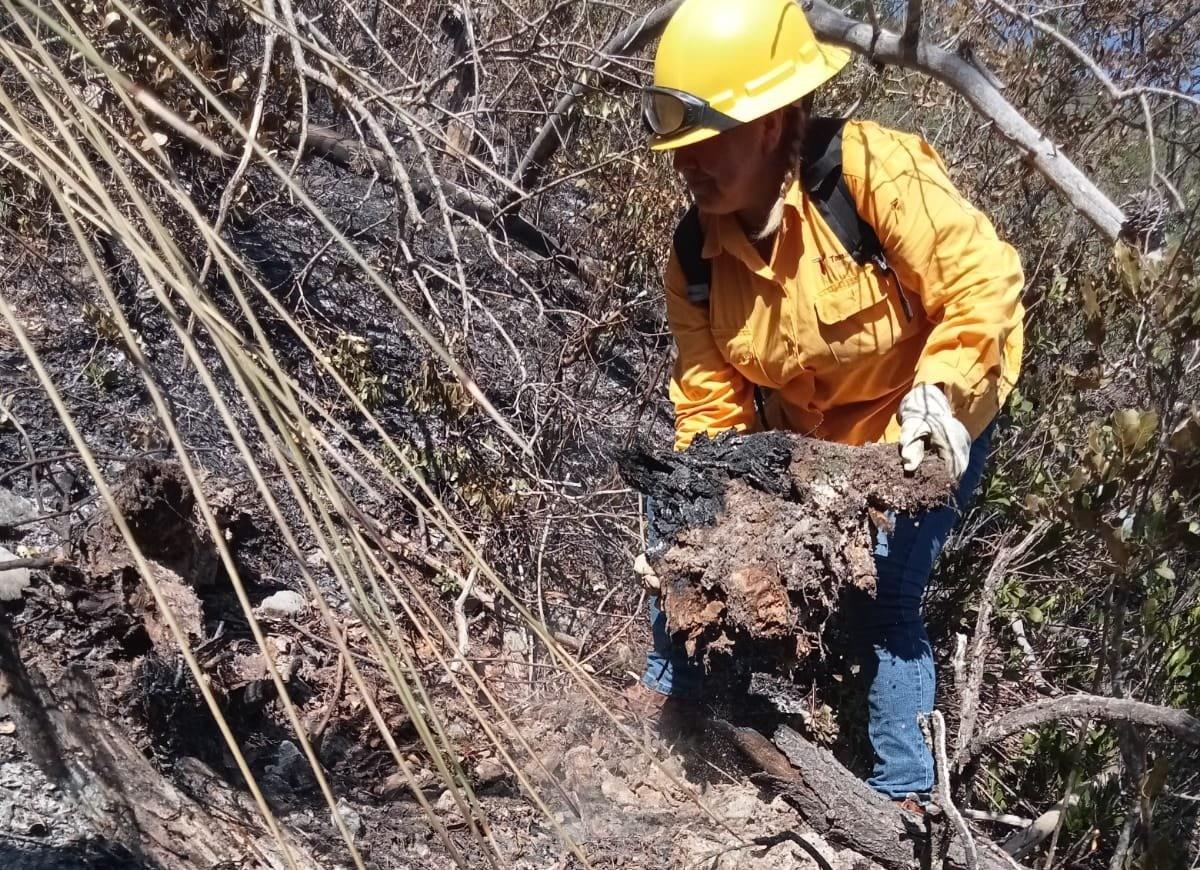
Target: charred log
843,809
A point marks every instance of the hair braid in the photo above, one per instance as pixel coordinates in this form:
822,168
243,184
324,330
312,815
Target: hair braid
792,157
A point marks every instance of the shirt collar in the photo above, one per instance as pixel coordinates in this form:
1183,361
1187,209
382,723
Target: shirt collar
723,233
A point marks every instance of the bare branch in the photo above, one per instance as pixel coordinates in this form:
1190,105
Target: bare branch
1022,841
1017,627
639,32
936,725
835,26
348,151
1183,725
1005,556
1114,91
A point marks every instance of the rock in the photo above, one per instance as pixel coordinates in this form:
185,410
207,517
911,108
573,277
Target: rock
350,818
15,509
289,771
14,581
446,803
514,642
396,784
617,790
490,770
283,604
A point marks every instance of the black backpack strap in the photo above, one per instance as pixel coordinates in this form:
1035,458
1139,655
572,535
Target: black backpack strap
689,250
826,187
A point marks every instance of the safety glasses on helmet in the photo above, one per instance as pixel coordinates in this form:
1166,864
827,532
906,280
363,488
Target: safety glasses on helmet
667,112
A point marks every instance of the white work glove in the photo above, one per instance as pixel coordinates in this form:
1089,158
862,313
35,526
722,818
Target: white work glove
925,415
641,567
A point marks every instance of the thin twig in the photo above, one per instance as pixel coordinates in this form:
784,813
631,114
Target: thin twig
460,619
1017,626
1005,557
330,705
936,724
32,564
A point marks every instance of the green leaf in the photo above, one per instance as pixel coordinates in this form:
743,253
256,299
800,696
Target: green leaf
1164,571
1035,615
1135,429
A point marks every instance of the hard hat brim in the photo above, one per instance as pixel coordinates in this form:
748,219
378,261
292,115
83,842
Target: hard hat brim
834,58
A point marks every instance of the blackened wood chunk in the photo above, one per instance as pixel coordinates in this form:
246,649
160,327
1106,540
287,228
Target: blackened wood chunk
757,535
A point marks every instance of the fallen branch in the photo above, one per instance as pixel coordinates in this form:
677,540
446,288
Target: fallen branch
33,564
116,788
19,701
1183,725
843,809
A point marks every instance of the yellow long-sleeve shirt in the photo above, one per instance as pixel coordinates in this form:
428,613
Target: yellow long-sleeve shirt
832,340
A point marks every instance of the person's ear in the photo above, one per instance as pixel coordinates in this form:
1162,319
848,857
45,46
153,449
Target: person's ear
772,132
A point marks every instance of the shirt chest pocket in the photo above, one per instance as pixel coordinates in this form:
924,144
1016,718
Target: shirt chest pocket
861,313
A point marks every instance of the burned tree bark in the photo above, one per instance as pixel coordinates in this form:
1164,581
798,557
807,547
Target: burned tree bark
848,812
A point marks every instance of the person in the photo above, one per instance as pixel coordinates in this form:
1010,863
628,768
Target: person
918,345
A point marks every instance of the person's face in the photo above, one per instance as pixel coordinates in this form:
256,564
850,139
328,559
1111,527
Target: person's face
724,173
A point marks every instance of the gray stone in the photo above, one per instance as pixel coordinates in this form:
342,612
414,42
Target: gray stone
490,770
282,604
14,581
14,508
350,818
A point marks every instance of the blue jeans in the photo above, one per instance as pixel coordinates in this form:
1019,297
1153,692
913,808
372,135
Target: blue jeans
897,656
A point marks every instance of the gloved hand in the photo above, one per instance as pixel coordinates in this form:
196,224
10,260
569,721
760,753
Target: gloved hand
641,567
925,415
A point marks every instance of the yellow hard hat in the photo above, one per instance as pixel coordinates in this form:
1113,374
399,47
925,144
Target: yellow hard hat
721,63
